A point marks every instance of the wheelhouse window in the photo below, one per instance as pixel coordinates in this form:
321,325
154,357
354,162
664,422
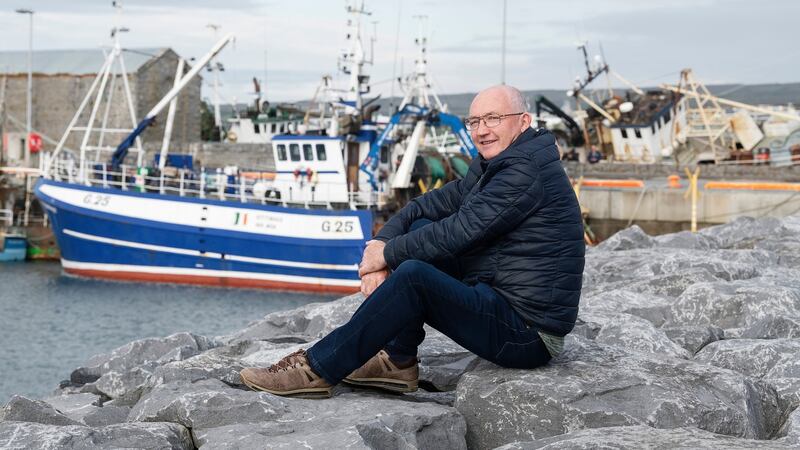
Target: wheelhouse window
637,132
308,152
281,152
624,133
294,152
273,128
321,155
256,128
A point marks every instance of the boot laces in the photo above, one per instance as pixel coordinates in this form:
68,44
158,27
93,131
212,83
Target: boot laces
291,360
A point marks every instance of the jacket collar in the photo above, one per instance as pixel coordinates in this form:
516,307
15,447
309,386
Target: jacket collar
527,136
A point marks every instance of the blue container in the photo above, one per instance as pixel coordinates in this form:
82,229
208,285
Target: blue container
14,249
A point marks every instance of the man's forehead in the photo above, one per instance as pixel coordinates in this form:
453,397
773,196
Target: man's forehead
490,100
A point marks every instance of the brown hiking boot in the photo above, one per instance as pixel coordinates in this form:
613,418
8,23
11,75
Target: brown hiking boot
289,377
380,372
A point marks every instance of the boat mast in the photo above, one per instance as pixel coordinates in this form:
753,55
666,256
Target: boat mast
214,67
100,93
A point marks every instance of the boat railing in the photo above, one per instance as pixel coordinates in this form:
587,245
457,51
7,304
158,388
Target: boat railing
207,185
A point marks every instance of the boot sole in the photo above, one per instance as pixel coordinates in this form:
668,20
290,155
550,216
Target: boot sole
310,393
384,383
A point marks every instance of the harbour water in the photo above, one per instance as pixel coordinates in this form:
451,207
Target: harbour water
51,323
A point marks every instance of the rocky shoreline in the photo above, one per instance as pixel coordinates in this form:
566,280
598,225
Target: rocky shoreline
683,341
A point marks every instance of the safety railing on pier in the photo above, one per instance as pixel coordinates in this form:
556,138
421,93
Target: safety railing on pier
211,185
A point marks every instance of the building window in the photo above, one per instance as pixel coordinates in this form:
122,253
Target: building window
281,152
294,152
308,153
637,132
256,128
624,133
321,155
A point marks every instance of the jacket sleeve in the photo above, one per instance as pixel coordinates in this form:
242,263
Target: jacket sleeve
511,194
433,205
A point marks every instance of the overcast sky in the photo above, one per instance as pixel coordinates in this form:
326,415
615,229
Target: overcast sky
648,42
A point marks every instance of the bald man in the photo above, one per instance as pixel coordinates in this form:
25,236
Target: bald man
494,261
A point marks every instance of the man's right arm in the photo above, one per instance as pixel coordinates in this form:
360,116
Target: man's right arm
433,205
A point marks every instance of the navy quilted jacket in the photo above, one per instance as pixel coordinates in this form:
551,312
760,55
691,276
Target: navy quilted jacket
513,223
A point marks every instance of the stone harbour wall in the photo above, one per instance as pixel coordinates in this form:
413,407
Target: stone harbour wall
683,341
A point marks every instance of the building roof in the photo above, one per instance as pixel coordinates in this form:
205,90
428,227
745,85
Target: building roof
72,62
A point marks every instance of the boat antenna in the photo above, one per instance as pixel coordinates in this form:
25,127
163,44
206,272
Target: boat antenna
503,53
396,46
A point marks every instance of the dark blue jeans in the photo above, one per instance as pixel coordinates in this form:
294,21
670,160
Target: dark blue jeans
475,317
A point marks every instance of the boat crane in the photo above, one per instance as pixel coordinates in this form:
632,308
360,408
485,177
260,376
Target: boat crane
421,104
122,150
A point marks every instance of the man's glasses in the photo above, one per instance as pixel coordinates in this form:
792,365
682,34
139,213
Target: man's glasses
491,120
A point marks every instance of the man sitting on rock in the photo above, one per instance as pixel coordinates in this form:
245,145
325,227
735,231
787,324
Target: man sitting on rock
494,261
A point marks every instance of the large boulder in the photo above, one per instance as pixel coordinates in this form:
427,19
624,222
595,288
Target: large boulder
631,333
123,371
349,420
595,386
627,239
299,325
735,304
205,404
643,437
23,409
772,360
220,416
126,435
88,409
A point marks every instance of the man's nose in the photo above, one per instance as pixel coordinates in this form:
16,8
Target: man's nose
481,129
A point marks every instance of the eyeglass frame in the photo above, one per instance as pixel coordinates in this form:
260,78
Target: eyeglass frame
483,118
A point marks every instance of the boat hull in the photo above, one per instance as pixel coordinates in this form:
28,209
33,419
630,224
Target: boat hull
132,236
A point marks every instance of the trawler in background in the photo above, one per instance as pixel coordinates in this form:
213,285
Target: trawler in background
301,226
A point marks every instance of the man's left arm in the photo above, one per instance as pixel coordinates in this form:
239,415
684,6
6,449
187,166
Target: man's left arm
511,195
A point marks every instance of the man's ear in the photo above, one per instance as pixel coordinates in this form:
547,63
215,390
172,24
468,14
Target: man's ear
526,121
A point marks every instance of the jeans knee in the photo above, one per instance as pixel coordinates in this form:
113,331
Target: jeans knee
412,268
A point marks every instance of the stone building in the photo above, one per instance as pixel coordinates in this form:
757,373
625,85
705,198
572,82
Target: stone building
61,79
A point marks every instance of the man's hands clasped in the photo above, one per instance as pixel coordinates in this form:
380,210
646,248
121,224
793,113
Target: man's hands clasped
373,269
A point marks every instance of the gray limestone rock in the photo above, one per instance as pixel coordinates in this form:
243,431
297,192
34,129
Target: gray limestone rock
633,334
643,437
88,409
136,353
627,239
773,327
442,362
123,371
687,240
693,338
19,435
743,232
306,323
351,420
23,409
734,304
207,365
773,360
653,308
205,404
595,386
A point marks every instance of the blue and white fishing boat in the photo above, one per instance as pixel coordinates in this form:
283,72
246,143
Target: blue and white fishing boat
302,226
